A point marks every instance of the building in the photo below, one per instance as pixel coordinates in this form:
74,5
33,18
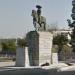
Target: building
66,32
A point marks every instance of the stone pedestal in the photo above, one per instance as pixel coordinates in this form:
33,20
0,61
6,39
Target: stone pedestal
54,58
39,47
22,57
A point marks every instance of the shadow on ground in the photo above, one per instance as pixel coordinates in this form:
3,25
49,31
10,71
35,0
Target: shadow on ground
36,71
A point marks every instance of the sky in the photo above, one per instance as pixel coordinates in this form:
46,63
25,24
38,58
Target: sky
16,19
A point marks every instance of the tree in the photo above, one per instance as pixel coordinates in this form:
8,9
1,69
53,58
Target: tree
12,46
73,39
9,46
4,46
21,42
72,25
65,51
60,40
55,49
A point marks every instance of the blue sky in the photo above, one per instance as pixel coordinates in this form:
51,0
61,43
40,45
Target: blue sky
16,19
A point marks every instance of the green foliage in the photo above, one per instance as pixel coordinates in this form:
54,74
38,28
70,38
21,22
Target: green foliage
60,40
4,46
66,48
21,42
72,25
12,46
66,51
8,46
55,49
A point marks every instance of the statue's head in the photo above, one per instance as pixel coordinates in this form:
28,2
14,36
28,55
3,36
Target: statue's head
38,9
33,13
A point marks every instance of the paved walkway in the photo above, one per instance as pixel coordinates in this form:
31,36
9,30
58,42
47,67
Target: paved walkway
4,64
56,69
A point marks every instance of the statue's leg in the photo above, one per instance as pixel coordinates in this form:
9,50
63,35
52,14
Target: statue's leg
34,23
36,26
44,26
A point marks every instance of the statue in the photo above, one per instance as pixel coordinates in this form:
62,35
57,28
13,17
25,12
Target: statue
39,21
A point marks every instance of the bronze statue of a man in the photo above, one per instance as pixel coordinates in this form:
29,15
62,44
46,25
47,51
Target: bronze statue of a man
39,21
